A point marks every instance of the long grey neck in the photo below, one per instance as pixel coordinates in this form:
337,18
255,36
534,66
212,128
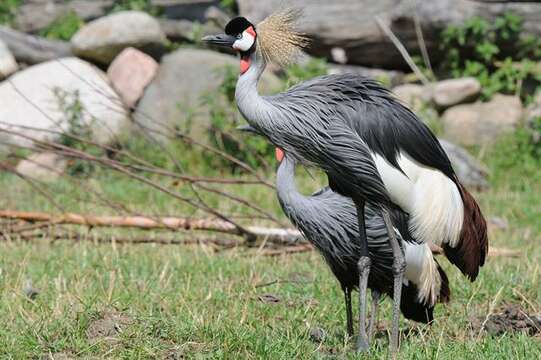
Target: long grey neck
252,106
286,188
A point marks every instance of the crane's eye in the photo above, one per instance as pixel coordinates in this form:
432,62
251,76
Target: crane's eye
239,36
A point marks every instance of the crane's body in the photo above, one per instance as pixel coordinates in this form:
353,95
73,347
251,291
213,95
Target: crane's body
373,149
329,221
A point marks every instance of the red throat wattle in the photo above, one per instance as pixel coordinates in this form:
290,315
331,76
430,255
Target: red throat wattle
244,64
279,154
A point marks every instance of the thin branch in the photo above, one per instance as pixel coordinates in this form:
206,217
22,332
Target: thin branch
401,48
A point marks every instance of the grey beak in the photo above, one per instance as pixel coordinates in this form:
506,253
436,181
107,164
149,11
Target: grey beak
220,40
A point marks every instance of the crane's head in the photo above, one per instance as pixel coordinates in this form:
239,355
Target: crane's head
276,39
239,35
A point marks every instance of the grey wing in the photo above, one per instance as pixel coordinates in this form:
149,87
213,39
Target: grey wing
309,125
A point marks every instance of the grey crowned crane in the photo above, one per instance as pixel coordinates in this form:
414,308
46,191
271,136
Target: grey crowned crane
329,221
373,149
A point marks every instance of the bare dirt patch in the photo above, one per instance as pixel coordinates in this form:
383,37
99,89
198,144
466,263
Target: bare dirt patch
512,318
108,326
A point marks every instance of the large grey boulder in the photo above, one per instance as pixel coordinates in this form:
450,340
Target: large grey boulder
34,15
415,96
31,49
8,65
194,10
43,98
456,91
351,24
481,123
46,166
103,39
470,172
176,97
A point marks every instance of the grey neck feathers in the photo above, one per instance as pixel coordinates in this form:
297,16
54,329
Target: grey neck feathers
252,106
288,194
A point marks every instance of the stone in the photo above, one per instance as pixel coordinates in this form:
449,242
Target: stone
317,335
415,96
351,24
34,15
470,172
386,77
456,91
103,39
8,65
187,31
31,49
35,102
482,123
176,96
46,166
130,73
217,16
193,10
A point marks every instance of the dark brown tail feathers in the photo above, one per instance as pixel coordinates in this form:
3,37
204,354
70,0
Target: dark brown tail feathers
415,310
445,292
472,248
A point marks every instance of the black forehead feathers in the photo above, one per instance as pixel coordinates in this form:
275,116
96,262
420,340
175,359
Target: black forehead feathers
237,25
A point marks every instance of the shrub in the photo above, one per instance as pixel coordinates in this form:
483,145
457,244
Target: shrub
481,49
64,27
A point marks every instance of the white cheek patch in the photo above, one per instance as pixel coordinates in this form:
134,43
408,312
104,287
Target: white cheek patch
245,43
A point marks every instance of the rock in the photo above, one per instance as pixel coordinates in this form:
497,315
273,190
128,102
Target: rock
44,166
8,65
103,39
30,49
317,335
34,15
456,91
186,30
193,10
351,24
470,172
33,98
387,77
413,95
176,96
217,16
29,290
481,123
130,73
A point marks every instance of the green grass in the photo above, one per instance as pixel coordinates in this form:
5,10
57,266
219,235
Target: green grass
192,301
189,300
195,302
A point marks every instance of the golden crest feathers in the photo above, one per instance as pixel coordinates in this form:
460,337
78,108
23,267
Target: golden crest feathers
278,38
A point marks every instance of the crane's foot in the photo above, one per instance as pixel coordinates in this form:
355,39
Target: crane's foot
362,345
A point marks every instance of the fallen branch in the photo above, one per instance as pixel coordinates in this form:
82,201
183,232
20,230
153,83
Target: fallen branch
110,239
274,235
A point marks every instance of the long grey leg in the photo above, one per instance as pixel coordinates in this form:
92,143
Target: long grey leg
376,295
364,270
399,267
349,312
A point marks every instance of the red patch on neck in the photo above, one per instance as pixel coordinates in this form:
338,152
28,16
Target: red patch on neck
245,63
279,154
251,31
